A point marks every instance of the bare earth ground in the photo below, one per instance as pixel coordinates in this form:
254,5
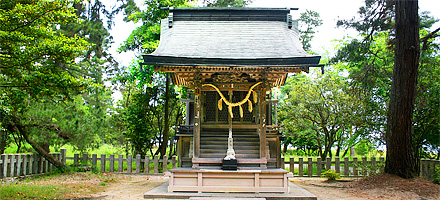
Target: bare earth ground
375,187
128,187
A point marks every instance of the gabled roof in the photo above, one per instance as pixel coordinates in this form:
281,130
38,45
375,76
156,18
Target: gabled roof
255,37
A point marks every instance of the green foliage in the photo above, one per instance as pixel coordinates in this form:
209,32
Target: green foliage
35,58
322,110
436,175
369,169
364,147
53,59
331,175
23,191
370,64
308,22
226,3
145,38
141,114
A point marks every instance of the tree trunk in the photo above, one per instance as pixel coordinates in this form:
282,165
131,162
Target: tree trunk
166,129
400,157
22,130
285,146
3,138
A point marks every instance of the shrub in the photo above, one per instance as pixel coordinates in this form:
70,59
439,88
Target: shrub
436,175
331,175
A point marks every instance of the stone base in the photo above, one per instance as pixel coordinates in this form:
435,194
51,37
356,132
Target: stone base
240,181
295,192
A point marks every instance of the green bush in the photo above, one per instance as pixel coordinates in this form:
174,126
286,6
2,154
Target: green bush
331,175
436,175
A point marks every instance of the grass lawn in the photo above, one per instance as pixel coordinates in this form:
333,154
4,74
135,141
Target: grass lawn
55,186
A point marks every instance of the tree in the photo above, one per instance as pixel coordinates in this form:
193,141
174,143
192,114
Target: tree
308,22
53,87
400,158
141,114
226,3
320,109
370,62
35,61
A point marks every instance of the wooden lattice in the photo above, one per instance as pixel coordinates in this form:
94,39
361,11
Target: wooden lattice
213,114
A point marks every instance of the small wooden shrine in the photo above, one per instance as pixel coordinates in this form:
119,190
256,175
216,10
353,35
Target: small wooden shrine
229,58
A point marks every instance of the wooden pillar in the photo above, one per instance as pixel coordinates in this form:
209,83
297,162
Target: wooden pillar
262,129
196,137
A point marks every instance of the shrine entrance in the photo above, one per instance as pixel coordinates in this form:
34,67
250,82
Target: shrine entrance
229,58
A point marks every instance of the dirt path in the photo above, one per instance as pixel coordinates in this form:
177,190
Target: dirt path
130,187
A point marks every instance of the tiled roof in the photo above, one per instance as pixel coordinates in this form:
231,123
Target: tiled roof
216,41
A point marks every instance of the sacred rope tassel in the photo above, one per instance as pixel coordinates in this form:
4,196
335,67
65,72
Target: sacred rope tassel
250,105
220,104
230,105
230,111
255,96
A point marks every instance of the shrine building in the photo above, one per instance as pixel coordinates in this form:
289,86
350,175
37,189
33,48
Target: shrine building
230,59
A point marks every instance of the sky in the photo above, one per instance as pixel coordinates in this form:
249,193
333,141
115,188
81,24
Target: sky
330,11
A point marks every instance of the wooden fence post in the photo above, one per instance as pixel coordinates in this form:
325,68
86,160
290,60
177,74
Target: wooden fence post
49,165
112,163
138,163
165,163
364,166
19,162
5,165
75,158
373,164
25,164
147,164
301,166
173,162
319,166
382,168
63,152
310,167
156,164
431,169
355,169
39,164
328,163
292,164
103,162
12,161
2,165
346,167
94,161
46,165
120,163
129,163
85,158
337,165
31,164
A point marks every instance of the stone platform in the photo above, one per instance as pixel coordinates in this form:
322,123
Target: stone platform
239,181
295,192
